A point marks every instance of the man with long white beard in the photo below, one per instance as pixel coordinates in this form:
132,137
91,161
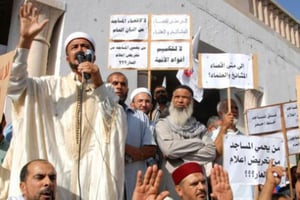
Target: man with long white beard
181,138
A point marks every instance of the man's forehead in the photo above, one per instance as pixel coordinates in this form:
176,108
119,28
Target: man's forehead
197,176
79,41
182,91
224,104
117,76
40,166
160,89
142,95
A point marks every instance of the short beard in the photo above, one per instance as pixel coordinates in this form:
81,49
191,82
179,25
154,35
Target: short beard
73,66
179,116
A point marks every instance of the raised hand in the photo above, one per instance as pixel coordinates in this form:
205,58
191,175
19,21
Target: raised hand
221,189
147,189
30,26
273,178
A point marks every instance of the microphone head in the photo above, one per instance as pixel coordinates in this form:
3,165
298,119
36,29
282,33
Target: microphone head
85,56
80,56
89,55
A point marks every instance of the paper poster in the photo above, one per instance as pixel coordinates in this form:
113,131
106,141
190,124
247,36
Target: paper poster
161,43
224,70
5,67
250,156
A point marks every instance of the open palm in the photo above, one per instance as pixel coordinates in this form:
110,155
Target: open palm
147,189
30,26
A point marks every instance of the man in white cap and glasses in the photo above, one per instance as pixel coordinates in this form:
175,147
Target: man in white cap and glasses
79,127
141,99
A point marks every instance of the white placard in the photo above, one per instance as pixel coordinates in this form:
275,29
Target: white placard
128,55
292,140
225,70
170,27
290,114
129,27
170,54
170,42
249,156
263,120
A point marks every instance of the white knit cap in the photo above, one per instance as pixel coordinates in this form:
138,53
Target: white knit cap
76,35
139,90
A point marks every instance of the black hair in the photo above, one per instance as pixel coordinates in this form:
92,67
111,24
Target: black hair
24,170
276,196
185,87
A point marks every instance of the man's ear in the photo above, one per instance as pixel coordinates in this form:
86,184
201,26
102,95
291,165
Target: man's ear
178,190
22,187
220,114
132,105
67,58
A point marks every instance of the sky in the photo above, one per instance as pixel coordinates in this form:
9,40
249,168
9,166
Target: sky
292,6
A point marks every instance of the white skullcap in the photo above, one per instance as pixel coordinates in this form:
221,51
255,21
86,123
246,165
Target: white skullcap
139,90
76,35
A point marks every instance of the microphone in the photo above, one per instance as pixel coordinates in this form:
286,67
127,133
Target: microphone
82,57
89,54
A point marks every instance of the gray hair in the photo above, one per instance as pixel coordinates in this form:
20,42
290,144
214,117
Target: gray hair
212,120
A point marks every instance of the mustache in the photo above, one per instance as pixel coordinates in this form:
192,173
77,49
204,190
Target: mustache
47,191
200,192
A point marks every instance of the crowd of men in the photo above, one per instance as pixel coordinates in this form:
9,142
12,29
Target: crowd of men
76,138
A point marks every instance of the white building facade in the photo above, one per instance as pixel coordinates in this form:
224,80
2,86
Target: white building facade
231,26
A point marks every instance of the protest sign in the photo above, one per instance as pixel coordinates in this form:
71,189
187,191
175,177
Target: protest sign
250,156
5,66
224,70
150,42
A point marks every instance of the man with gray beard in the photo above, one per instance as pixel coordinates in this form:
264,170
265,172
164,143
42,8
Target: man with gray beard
181,138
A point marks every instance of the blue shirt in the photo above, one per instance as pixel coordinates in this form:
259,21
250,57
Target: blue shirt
139,134
3,149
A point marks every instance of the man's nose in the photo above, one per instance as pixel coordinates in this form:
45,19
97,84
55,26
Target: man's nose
47,181
180,99
119,85
201,186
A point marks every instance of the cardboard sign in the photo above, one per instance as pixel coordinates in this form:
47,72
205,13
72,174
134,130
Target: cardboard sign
5,67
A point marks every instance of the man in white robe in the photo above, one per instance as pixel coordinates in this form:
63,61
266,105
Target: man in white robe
78,126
